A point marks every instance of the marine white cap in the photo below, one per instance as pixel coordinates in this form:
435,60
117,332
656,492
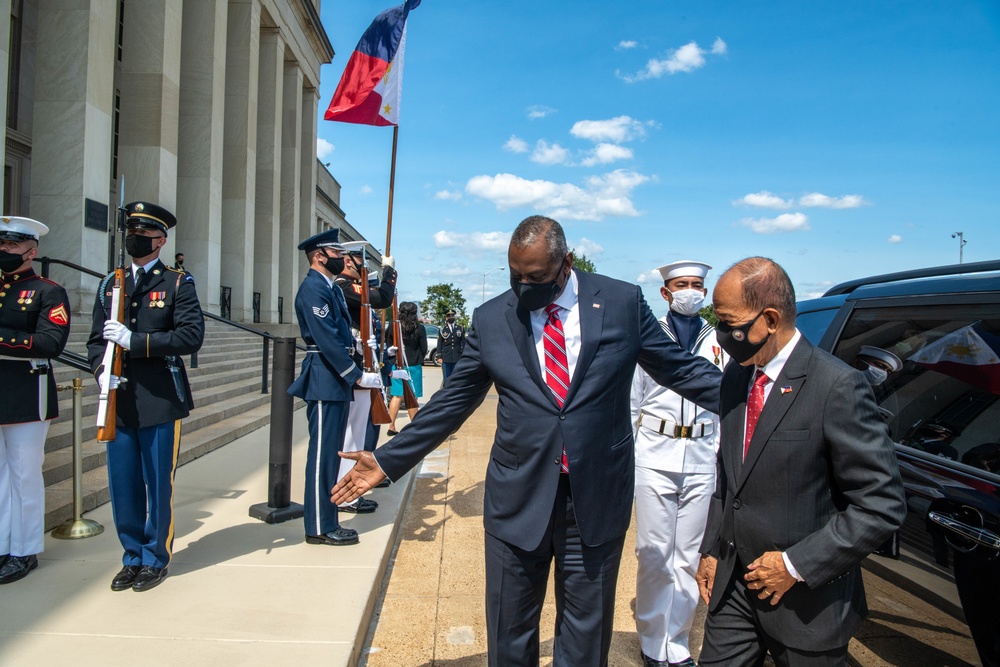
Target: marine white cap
685,267
21,229
882,355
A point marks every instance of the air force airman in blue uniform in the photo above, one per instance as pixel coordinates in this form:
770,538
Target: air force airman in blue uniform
326,383
163,320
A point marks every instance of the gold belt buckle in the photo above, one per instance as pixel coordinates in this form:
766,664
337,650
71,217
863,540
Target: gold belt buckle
682,431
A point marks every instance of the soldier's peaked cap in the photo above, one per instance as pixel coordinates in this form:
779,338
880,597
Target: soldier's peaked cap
326,239
13,228
143,215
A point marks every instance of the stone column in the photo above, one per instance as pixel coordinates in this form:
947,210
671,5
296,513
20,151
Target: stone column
307,178
71,126
4,68
268,199
199,152
240,154
292,149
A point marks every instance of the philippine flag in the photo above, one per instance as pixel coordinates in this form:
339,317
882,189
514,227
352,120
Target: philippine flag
968,354
371,86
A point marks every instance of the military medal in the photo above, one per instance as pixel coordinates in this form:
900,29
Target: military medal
716,350
25,296
156,299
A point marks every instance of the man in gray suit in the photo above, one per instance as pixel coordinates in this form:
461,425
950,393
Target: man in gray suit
808,486
560,347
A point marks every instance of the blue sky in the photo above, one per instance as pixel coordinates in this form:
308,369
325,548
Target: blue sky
841,138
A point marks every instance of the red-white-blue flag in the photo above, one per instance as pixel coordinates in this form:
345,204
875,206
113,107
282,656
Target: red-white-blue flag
968,354
371,86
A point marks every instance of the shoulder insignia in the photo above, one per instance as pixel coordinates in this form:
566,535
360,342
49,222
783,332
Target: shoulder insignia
321,312
59,315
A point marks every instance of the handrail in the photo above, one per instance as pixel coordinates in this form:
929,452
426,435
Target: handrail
74,360
45,261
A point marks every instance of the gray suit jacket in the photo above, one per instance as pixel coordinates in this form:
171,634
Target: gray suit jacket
617,329
820,483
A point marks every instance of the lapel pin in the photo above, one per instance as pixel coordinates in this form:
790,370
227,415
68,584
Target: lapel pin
786,390
597,305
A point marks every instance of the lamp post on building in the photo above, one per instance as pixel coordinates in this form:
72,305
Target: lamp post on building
961,244
495,268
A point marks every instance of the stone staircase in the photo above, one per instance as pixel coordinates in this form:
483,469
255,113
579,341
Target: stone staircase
228,404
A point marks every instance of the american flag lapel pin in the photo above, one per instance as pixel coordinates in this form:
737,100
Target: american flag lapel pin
596,305
786,390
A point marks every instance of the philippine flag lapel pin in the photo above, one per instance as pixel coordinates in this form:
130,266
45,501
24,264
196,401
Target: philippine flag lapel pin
786,390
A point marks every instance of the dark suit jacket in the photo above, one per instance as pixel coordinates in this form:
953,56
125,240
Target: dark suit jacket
820,483
176,327
617,329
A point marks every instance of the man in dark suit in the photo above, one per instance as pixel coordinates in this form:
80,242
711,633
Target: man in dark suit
451,342
808,485
163,320
560,349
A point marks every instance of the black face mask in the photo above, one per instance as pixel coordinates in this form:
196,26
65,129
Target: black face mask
533,296
449,320
736,340
10,261
139,246
334,265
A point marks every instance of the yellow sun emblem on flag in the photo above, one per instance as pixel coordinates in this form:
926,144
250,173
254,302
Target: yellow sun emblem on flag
385,77
961,350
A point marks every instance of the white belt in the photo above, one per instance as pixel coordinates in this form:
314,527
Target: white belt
672,430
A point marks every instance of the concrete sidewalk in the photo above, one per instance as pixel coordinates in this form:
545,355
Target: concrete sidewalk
239,592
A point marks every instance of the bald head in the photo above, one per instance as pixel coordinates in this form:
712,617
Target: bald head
763,284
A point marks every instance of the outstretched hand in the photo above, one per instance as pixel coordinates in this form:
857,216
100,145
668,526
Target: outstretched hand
363,477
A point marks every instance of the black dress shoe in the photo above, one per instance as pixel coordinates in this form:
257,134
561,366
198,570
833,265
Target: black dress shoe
384,483
361,506
683,663
149,577
125,578
390,432
3,559
649,662
17,568
336,538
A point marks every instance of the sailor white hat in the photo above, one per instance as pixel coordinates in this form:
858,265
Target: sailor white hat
685,267
13,228
884,356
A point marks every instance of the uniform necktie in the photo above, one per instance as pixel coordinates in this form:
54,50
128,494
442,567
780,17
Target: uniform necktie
556,363
139,275
754,405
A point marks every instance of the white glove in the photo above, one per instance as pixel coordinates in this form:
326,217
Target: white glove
118,333
370,381
391,350
358,347
400,374
115,382
373,344
387,260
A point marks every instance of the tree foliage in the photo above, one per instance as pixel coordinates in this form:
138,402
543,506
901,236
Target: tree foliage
581,262
440,298
708,314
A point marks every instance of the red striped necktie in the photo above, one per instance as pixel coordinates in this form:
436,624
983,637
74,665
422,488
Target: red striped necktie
556,363
754,405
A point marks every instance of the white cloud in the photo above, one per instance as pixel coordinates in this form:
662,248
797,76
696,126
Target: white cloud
451,271
895,238
448,195
538,111
587,247
606,154
786,222
516,144
366,189
651,277
719,47
601,196
549,154
473,241
819,200
626,44
619,129
323,148
763,199
687,58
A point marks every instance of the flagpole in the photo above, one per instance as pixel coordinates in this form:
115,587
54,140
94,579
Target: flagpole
392,186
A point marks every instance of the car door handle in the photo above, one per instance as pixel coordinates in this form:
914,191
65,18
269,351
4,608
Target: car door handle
986,538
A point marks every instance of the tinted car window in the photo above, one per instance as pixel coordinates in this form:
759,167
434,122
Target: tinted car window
815,323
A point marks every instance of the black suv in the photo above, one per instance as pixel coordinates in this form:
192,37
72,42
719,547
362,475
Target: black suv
929,342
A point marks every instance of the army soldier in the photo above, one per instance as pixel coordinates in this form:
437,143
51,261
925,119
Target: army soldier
326,383
451,342
361,433
163,320
34,326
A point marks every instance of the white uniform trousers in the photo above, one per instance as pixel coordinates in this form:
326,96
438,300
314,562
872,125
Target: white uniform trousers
357,428
671,509
22,489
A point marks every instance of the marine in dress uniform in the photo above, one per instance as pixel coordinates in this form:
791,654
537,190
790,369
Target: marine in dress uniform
675,449
34,326
326,383
361,433
163,320
451,342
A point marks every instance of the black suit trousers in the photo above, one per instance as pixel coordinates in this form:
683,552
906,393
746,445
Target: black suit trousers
585,582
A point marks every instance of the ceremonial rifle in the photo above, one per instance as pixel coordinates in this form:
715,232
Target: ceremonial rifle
409,398
380,413
112,361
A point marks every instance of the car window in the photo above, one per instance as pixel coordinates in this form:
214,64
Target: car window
815,323
944,397
432,330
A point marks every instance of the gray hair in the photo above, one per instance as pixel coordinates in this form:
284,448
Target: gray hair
766,285
532,228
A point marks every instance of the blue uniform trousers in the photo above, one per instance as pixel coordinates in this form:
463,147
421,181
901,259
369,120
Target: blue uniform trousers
141,464
327,426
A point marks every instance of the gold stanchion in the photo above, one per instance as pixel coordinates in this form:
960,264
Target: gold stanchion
77,527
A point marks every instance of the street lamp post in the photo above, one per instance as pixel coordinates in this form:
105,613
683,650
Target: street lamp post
961,244
495,268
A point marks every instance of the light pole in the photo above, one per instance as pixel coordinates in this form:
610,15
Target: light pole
961,244
495,268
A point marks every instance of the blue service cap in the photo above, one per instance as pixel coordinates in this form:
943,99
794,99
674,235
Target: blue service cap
328,239
143,215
